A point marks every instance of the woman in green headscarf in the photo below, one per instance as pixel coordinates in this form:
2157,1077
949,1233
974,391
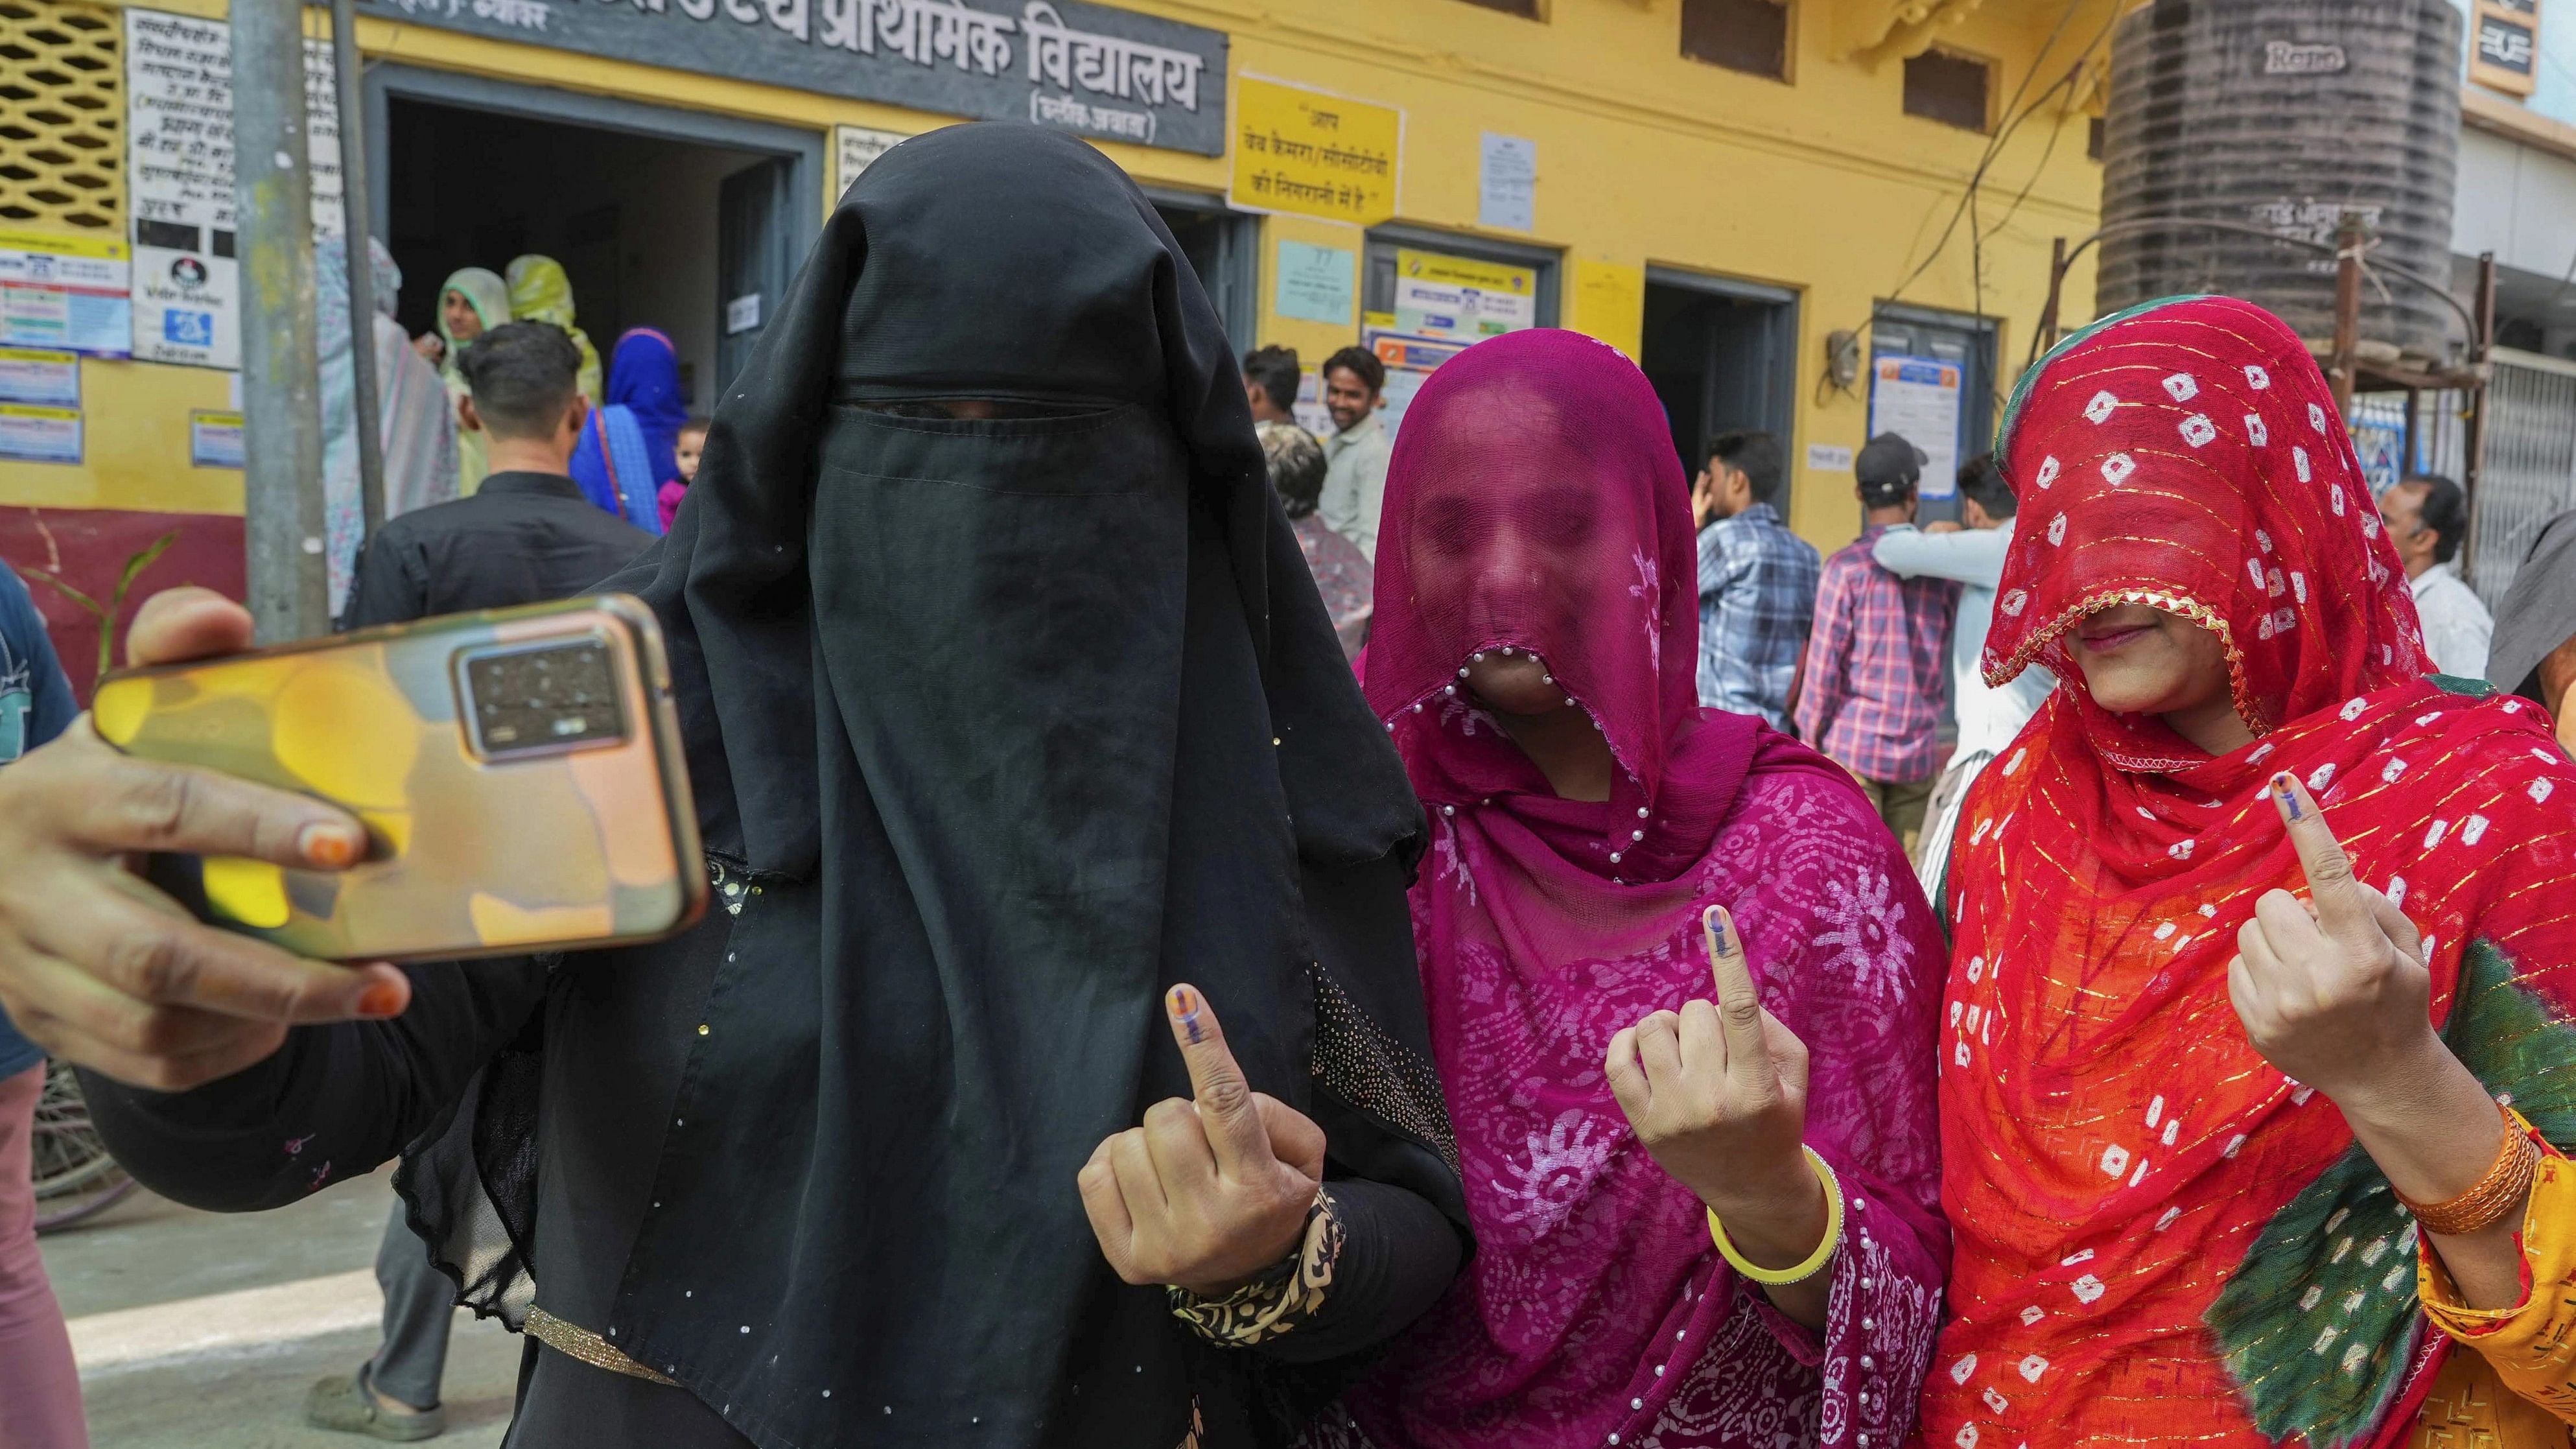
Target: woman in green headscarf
540,292
471,302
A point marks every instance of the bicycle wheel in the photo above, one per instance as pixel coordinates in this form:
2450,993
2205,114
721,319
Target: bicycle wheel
73,1172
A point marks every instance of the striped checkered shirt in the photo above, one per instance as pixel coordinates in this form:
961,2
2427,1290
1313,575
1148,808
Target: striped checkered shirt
1757,591
1878,666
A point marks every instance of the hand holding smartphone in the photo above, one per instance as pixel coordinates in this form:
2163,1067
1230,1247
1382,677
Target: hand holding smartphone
518,773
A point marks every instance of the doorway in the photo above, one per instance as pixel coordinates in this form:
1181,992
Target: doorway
1221,247
686,223
1722,355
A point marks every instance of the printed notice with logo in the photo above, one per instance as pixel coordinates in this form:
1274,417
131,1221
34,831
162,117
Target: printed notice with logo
1918,398
64,292
179,174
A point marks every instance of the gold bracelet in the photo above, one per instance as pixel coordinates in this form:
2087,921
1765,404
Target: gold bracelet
1816,1261
2494,1196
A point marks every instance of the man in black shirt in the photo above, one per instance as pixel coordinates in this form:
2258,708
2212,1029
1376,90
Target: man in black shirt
527,536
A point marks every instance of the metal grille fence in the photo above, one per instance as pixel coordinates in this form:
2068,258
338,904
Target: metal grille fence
62,151
2530,471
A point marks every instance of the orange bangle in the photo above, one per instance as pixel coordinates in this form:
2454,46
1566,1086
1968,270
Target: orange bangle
2494,1195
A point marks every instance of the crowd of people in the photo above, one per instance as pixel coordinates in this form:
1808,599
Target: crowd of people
1228,939
636,446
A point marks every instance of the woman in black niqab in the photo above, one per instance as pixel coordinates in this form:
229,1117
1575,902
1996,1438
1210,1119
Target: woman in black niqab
1009,705
1045,707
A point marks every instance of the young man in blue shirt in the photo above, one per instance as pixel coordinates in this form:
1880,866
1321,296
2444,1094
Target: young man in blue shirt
40,1405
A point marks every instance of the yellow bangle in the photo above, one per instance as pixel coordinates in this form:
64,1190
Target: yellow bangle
1816,1261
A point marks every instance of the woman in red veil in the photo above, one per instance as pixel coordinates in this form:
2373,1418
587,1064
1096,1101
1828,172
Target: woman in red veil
2227,1166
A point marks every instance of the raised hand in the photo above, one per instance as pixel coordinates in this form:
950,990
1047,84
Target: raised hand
1208,1192
103,970
1717,1092
2339,999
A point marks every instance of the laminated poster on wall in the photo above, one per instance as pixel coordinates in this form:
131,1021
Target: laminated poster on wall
1918,398
41,377
214,440
63,292
1315,282
179,179
31,434
1462,298
1409,358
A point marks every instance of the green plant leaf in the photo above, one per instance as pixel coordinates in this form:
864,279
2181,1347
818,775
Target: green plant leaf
150,555
79,600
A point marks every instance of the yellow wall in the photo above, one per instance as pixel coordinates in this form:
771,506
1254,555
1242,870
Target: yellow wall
1822,185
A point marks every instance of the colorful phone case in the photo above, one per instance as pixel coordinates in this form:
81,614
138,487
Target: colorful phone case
519,773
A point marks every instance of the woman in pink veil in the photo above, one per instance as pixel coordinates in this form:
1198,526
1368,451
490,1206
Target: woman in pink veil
1533,658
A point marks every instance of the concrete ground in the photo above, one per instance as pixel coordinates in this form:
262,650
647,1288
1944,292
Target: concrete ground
203,1330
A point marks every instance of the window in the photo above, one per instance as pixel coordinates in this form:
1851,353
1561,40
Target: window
1526,9
62,116
1944,86
1747,35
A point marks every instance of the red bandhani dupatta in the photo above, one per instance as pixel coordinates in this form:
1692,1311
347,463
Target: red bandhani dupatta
2161,1239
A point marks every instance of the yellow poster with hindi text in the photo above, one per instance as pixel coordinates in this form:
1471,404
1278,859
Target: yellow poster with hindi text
1311,153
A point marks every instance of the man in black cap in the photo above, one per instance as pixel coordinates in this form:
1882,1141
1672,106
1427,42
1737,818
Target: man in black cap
1876,675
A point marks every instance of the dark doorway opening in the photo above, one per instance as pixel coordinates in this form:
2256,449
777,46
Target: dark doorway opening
1722,356
654,231
1220,246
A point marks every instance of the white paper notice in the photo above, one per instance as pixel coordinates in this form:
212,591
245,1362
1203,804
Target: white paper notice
1507,183
1827,458
854,147
1918,399
179,148
742,314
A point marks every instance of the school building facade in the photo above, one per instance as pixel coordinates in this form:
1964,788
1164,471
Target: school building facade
1761,200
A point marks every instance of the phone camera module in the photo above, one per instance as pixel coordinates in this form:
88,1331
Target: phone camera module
545,699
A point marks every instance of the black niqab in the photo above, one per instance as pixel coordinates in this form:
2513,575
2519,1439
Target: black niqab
1021,720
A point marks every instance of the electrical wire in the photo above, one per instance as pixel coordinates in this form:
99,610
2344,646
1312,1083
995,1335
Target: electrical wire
2067,81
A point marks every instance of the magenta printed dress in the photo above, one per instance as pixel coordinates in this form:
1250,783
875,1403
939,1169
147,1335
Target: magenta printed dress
1597,1311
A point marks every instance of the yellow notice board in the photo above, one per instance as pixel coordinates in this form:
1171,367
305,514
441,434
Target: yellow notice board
1313,153
1610,303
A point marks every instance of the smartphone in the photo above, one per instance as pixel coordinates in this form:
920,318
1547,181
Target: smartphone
518,771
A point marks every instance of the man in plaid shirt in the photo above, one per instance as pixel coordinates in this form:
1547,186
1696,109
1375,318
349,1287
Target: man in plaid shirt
1878,662
1757,580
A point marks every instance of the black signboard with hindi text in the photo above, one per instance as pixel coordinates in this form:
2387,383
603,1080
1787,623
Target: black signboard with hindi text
1101,72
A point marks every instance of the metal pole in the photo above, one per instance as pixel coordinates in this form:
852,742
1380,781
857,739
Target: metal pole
281,385
2347,334
2056,279
2473,444
355,216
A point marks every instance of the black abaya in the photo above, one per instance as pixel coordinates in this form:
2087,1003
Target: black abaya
1001,727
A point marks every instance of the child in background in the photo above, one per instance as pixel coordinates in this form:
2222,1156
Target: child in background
684,451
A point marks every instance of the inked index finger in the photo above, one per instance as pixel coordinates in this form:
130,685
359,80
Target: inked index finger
2342,908
1226,1108
1739,1007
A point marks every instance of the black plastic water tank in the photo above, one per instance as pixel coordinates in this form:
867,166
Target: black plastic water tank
2283,114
